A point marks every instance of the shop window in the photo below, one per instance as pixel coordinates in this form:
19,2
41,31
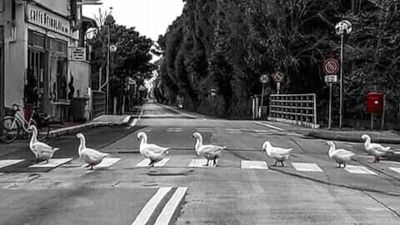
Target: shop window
61,79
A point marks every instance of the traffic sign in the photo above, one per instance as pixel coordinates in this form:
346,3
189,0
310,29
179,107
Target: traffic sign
278,76
343,27
330,66
331,78
264,78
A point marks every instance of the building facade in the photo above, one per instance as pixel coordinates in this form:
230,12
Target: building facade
36,66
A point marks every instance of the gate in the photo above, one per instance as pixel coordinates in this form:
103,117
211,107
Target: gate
98,103
298,109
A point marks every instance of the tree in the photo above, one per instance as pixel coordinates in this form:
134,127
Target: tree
132,58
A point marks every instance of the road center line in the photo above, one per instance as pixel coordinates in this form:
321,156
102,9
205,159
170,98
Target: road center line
150,206
270,126
168,211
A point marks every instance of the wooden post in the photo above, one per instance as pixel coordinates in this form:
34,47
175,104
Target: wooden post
383,113
372,121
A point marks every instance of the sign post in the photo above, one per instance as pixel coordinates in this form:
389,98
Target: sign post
263,79
330,67
278,77
342,28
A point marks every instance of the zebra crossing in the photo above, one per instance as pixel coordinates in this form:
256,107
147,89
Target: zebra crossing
221,130
194,162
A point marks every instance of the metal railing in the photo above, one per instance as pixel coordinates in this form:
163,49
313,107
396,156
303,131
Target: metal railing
299,109
98,103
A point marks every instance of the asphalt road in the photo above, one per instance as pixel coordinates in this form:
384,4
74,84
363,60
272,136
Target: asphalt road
244,189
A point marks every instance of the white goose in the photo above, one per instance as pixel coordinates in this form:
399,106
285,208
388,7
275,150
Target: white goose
277,153
374,149
341,156
91,156
151,151
41,150
210,152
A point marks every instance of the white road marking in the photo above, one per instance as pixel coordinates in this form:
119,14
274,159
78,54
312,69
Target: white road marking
358,170
150,206
233,131
9,162
133,123
198,163
174,129
262,131
168,211
146,162
307,167
245,164
395,169
270,126
55,162
107,162
126,119
204,129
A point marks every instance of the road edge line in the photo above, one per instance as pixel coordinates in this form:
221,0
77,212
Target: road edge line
270,126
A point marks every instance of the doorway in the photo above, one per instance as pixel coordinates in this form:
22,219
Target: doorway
36,85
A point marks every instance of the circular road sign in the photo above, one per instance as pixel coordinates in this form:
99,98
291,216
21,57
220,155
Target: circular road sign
113,48
343,27
278,76
264,78
330,66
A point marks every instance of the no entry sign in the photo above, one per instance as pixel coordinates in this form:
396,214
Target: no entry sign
330,66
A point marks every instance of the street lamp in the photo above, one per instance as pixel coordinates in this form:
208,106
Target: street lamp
342,28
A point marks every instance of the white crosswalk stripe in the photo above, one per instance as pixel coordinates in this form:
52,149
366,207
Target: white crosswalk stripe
246,164
9,162
358,170
234,131
174,130
205,129
307,167
107,162
198,163
55,162
146,162
395,169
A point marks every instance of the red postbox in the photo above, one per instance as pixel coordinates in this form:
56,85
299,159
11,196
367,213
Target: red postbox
375,102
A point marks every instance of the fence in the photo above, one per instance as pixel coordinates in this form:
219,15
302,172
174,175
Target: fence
299,109
98,103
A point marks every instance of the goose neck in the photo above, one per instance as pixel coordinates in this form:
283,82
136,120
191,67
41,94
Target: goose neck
199,142
83,144
331,149
34,136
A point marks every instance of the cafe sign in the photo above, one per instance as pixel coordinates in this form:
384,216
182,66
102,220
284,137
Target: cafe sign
47,20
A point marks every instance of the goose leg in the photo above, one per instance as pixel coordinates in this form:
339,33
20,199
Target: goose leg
344,164
282,164
275,163
208,162
91,167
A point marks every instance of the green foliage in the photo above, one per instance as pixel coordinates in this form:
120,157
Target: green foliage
132,58
228,44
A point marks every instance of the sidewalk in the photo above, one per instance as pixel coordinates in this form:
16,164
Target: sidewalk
104,120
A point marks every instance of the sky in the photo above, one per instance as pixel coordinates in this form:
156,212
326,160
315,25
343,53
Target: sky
149,17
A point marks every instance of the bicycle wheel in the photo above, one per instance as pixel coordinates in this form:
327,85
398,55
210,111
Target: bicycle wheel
9,129
43,132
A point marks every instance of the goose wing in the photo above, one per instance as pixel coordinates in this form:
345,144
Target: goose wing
343,153
43,147
378,147
210,150
153,148
92,155
280,151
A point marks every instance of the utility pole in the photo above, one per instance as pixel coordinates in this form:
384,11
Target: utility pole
108,69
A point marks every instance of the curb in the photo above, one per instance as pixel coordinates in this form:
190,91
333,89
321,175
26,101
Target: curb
346,137
74,129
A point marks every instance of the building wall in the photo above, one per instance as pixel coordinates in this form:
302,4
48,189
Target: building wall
59,6
16,52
